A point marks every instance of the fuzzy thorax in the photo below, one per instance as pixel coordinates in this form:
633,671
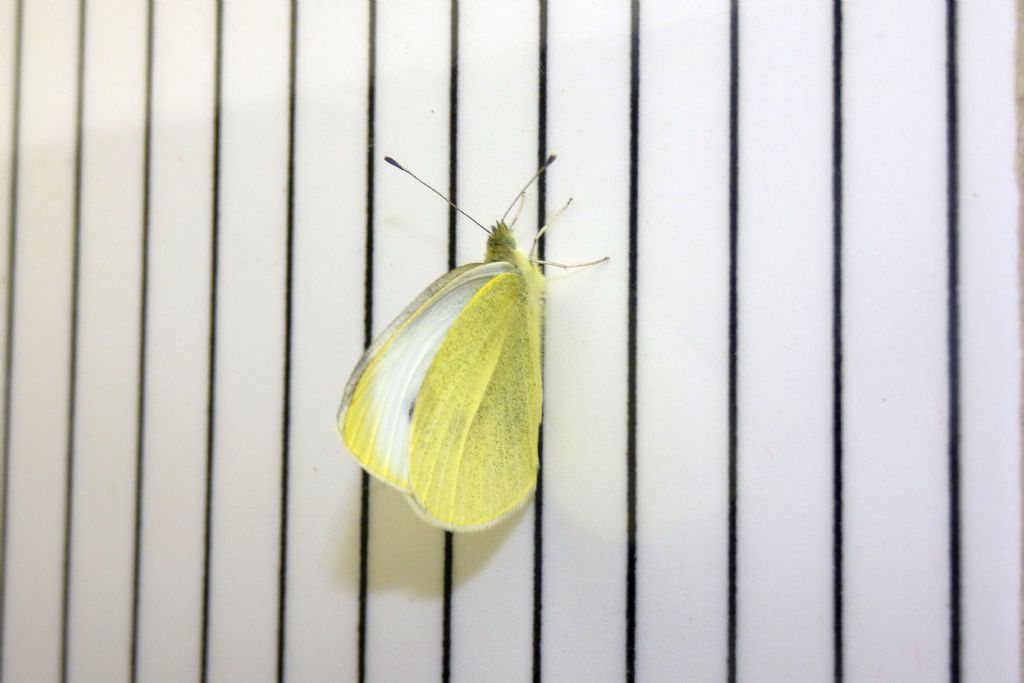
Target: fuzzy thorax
501,246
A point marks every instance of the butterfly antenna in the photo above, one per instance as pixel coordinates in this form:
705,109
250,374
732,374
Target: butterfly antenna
547,162
429,187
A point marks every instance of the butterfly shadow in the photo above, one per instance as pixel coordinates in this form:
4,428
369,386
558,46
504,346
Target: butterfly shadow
406,554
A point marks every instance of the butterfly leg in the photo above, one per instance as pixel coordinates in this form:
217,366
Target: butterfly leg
540,233
566,266
521,200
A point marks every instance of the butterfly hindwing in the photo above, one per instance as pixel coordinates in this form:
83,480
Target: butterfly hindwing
377,407
475,425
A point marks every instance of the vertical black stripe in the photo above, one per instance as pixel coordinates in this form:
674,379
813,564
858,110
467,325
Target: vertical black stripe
69,471
364,489
837,340
446,618
453,127
631,381
453,156
140,387
12,244
953,335
542,192
734,86
211,384
364,548
286,407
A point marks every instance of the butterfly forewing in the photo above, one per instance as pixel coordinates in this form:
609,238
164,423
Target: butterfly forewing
377,409
475,426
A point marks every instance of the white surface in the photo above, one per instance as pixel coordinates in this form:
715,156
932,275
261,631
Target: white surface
991,366
177,344
35,505
785,347
897,519
585,372
103,508
683,435
895,411
246,477
330,196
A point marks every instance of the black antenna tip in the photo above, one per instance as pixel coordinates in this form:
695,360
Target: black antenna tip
393,162
551,160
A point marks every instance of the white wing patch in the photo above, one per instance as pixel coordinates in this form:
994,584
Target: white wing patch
376,412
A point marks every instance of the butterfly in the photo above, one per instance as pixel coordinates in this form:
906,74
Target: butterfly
446,404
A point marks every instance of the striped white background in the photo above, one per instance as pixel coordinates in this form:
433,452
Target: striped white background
187,195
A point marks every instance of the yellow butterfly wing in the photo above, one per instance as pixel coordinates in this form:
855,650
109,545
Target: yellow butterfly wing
376,410
476,421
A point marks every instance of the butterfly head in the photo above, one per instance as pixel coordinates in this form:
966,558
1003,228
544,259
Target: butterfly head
501,244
